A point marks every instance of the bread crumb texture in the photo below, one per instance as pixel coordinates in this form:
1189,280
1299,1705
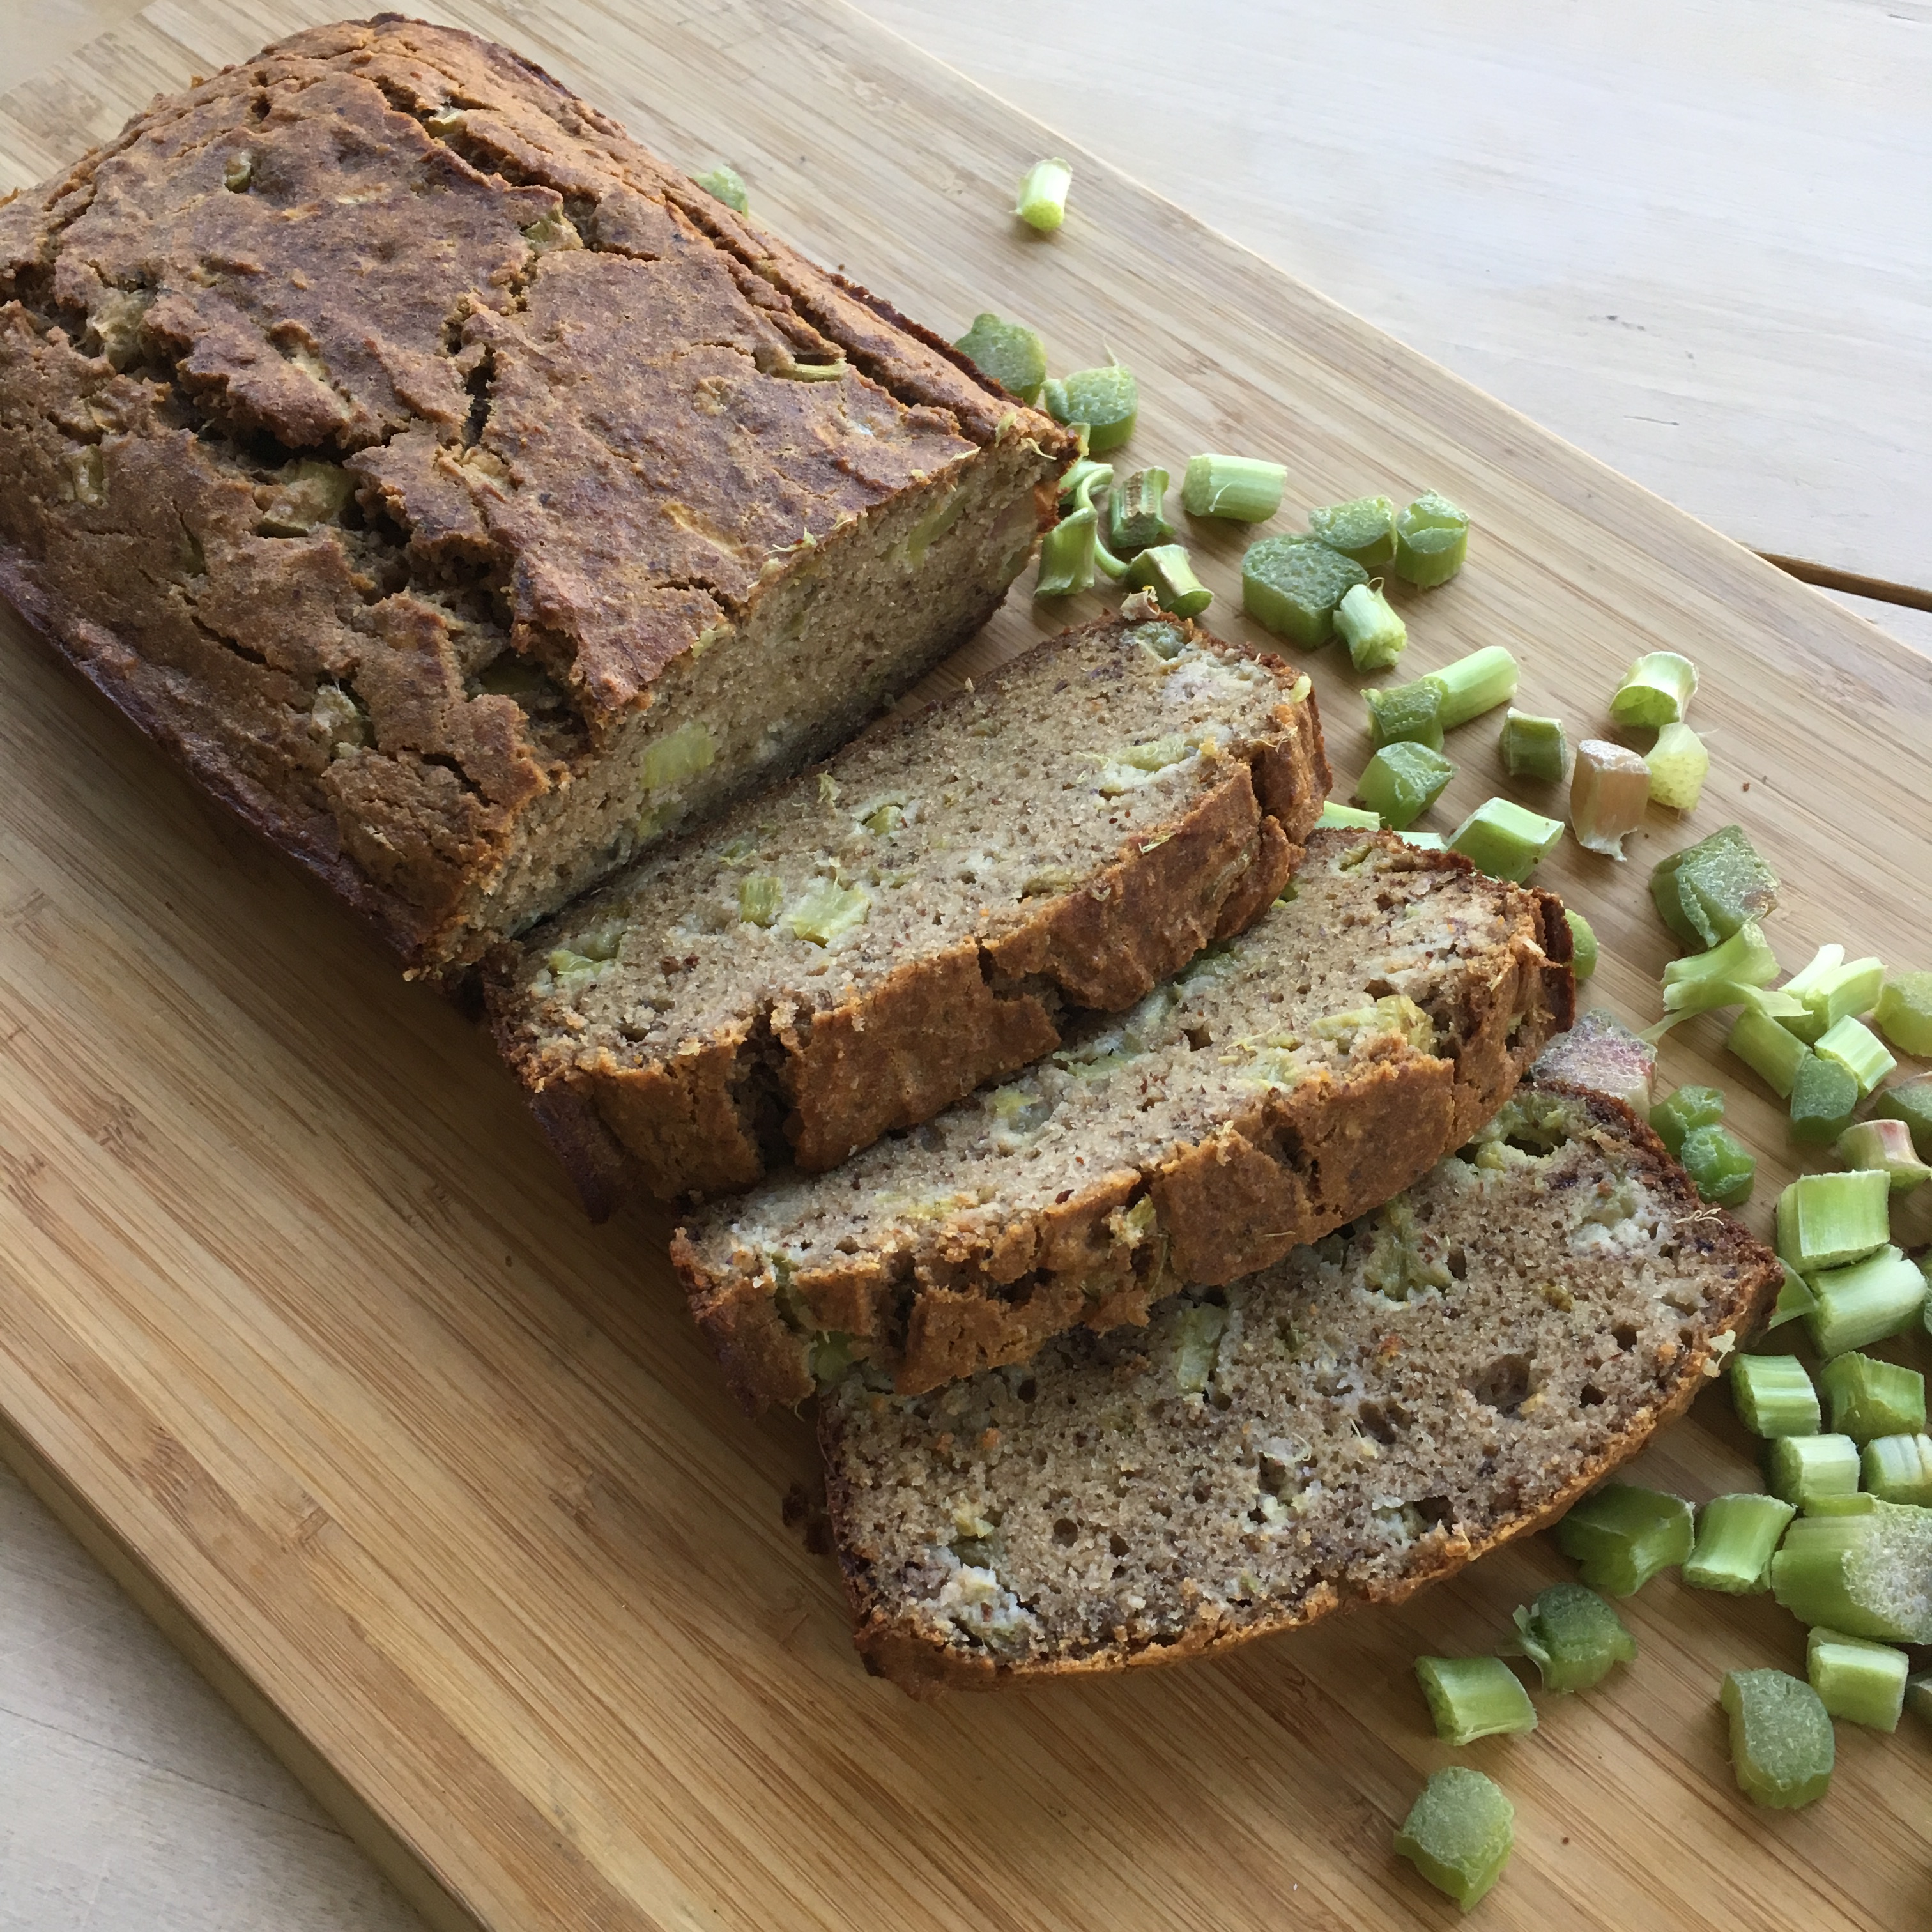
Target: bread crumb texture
465,495
851,951
1286,1081
1451,1370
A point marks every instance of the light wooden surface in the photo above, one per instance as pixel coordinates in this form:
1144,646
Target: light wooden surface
293,1299
1691,238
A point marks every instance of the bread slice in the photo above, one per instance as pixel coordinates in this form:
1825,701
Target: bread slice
1364,1417
854,950
1285,1082
466,497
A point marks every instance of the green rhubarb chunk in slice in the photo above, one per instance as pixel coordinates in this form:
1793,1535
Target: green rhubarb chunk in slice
1375,634
1774,1055
1678,765
1402,782
1859,1050
1406,714
1533,748
1856,1679
759,896
724,183
1010,352
1865,1302
1794,1298
1291,585
1688,1107
1363,530
1904,1014
1107,400
1167,571
1842,992
1806,1470
1824,1095
1458,1833
1572,1636
1736,1536
1504,839
1781,1741
1346,818
1869,1397
1656,691
1475,684
1860,1565
1705,893
1583,943
1137,512
827,909
1910,1101
678,755
1721,1168
1243,489
1884,1145
1472,1697
1828,1220
1898,1469
1773,1397
1623,1535
1431,540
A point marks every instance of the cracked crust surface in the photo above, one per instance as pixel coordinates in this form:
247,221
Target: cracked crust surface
1287,1081
1064,837
1364,1417
389,435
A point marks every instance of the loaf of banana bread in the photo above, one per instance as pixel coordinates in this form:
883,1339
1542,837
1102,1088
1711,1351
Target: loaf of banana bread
1287,1081
852,950
1367,1415
466,496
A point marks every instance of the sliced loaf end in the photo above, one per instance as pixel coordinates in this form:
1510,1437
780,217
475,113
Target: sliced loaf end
1371,1413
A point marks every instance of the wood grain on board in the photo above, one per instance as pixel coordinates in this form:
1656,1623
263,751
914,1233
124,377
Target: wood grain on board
300,1327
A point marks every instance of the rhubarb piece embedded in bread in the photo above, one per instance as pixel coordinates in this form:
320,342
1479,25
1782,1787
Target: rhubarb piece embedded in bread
466,497
1365,1416
1288,1080
854,950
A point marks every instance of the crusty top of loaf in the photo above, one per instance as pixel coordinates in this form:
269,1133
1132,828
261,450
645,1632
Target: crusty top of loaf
565,381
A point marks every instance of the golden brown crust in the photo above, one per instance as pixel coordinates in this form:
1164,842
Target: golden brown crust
1282,1171
904,1649
408,259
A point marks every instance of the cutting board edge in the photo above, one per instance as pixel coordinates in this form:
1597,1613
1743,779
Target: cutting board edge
392,1854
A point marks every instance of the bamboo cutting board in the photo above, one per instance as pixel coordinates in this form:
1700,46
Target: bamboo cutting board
303,1332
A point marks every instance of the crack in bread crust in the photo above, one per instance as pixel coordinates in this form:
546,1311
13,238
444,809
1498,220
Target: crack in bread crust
1391,1370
